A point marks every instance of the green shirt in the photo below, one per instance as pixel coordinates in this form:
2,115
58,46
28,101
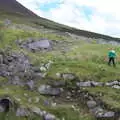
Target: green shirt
112,54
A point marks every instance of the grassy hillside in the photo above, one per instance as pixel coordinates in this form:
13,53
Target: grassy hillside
87,61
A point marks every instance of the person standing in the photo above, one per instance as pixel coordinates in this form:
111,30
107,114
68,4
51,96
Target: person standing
112,56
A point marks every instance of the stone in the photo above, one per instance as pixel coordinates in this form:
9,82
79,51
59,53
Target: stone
30,84
1,59
96,110
116,86
2,109
109,114
17,81
25,94
53,104
37,99
48,90
48,65
84,84
30,100
58,83
68,76
42,44
43,75
91,104
49,116
106,114
68,97
93,83
58,75
22,112
112,83
43,69
46,102
37,111
38,76
18,99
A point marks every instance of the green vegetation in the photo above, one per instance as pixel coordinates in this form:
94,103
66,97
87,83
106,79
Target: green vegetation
88,61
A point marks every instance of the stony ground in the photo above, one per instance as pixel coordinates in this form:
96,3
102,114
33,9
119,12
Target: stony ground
51,75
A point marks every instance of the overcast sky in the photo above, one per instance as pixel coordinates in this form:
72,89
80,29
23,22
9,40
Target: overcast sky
101,16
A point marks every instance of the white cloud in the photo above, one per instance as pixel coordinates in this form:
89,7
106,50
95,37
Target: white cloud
105,17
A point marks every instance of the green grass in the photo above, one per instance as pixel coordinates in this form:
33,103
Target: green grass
88,61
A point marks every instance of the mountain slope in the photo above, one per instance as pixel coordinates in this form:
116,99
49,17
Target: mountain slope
12,6
47,73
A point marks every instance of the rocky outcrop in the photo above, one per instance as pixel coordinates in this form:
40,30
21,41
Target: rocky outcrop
36,45
16,67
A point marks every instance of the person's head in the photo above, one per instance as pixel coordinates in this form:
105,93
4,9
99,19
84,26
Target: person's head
111,49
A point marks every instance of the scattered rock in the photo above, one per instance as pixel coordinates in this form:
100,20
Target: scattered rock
116,86
89,84
58,75
53,104
35,45
1,59
43,69
84,84
18,99
37,99
91,104
22,112
30,100
93,83
25,94
106,115
48,90
59,83
68,76
112,83
49,116
37,111
48,65
30,84
2,109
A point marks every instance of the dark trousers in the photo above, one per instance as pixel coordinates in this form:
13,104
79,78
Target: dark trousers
111,60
